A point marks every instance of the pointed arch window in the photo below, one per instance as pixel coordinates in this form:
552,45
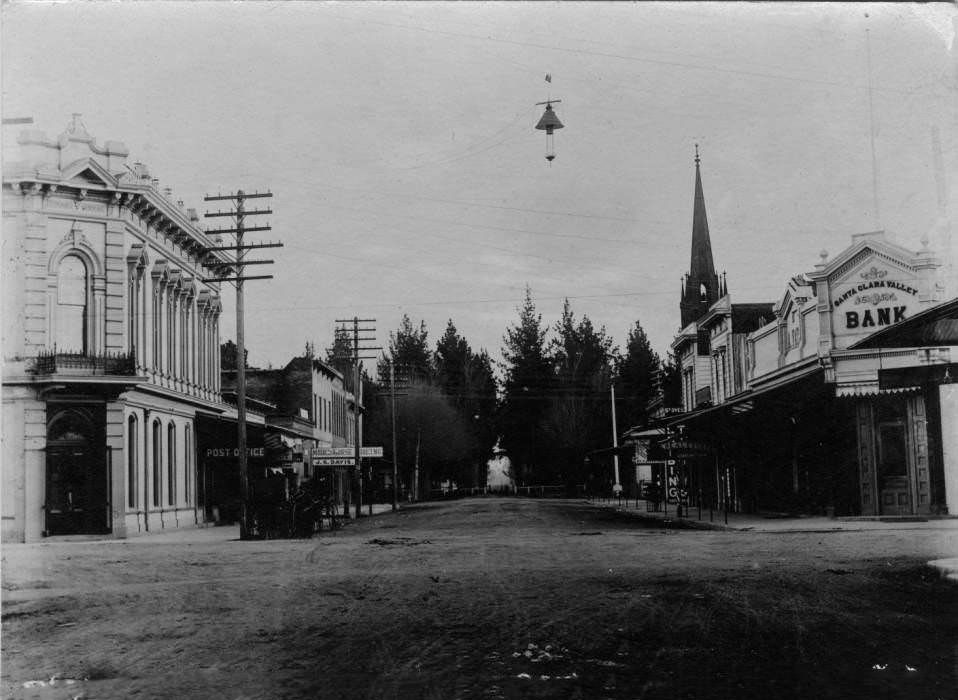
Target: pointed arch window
73,294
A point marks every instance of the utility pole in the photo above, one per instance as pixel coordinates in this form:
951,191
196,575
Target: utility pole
237,267
415,478
392,391
357,391
617,486
392,394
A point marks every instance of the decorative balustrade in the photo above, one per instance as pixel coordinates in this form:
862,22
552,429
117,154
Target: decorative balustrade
97,364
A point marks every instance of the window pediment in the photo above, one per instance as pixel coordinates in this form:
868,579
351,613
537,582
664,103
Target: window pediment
88,172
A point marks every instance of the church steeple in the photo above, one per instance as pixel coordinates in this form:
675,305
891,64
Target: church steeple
701,288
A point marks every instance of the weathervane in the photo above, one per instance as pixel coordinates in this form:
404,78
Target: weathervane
549,122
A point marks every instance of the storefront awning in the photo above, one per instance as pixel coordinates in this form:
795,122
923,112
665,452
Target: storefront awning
811,377
937,325
621,451
643,433
870,389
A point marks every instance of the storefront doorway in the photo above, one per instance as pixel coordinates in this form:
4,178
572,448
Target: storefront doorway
894,456
894,492
77,484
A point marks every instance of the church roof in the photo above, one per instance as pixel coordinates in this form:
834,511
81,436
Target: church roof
702,265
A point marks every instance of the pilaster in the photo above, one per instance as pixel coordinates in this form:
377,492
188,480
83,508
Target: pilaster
115,306
116,465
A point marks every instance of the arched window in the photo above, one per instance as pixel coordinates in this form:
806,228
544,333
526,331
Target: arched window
156,463
131,459
187,464
171,463
71,306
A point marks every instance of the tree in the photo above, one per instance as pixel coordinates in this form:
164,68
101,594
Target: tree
340,355
579,415
484,389
443,413
451,362
528,383
408,351
468,382
433,437
637,378
228,352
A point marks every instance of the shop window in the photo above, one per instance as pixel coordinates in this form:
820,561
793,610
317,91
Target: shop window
71,305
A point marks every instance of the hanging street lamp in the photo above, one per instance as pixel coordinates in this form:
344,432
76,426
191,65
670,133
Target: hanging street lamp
549,122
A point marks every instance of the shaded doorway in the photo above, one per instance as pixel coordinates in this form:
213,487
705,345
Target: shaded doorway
894,488
77,484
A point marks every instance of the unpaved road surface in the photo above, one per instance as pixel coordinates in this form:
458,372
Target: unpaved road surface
485,598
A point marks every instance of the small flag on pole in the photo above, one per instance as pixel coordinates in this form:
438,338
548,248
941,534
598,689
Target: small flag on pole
548,77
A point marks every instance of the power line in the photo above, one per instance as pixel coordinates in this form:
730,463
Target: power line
511,300
571,214
624,57
470,150
505,229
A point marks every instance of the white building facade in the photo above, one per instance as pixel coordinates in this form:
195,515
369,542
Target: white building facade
110,343
837,398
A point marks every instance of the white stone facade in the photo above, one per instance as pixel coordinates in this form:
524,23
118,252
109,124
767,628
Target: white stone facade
110,342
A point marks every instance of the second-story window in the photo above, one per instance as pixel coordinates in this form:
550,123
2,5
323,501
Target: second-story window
71,311
725,384
156,321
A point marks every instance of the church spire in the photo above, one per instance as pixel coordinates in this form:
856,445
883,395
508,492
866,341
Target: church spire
701,283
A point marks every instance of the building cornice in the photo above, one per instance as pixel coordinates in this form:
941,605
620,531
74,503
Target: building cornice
801,366
141,200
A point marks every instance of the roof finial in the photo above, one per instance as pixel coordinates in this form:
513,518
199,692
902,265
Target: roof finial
696,155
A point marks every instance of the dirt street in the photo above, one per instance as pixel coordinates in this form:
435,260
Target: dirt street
485,598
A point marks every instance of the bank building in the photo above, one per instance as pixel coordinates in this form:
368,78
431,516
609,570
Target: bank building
839,397
110,343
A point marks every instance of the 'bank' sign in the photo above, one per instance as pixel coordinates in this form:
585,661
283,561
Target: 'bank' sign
872,299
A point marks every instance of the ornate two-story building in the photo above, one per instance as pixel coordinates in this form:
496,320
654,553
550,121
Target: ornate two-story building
110,342
840,397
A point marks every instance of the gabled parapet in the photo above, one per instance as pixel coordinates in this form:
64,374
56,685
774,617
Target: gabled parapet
871,284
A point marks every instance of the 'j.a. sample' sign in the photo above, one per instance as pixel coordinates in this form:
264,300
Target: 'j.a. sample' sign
873,298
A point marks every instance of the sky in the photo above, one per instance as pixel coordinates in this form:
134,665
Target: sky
398,139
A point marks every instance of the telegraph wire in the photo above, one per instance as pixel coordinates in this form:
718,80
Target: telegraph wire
624,57
506,229
468,203
480,143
